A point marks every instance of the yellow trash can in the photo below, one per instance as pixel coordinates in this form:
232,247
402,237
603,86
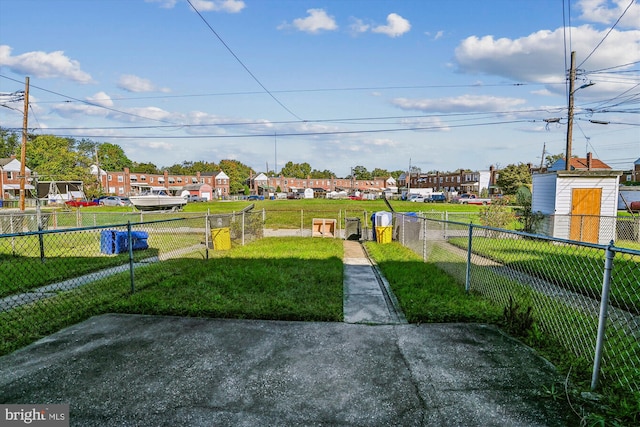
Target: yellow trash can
221,238
383,234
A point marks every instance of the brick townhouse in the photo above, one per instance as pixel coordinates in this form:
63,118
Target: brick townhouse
10,178
127,183
461,181
261,183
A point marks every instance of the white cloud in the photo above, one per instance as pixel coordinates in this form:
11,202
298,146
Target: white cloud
539,56
132,83
44,65
102,99
427,124
470,103
599,11
358,26
396,26
230,6
438,35
166,4
317,21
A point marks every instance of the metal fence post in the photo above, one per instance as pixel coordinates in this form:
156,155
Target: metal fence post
130,241
424,239
207,232
243,213
602,319
467,281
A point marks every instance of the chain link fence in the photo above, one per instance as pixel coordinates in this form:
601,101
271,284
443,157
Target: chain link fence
585,296
52,278
51,264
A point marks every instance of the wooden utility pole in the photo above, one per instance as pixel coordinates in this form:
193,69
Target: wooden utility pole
23,150
572,82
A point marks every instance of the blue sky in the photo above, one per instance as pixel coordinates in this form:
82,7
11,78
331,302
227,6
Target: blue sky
440,85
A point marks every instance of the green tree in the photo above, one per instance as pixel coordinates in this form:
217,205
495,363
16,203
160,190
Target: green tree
360,172
549,160
238,174
296,170
9,143
380,173
112,157
513,177
396,174
322,174
149,168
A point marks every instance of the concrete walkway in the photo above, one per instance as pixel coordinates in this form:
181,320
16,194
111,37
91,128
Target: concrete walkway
367,295
372,370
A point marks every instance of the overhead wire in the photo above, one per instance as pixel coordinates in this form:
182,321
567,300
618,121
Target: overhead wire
606,35
242,63
92,104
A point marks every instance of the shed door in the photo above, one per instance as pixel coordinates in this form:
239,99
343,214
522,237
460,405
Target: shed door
585,214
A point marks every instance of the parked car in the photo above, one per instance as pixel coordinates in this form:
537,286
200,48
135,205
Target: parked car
115,201
417,199
80,203
436,198
195,198
471,199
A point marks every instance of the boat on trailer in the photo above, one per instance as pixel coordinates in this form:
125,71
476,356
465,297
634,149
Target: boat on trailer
158,200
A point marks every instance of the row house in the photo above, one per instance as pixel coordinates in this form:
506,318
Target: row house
127,183
632,175
461,181
261,184
10,178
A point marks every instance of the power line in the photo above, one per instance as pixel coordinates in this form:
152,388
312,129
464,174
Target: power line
242,63
606,35
94,104
345,132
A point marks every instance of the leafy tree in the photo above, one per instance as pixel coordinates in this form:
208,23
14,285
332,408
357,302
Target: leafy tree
525,214
296,170
112,157
322,174
396,174
57,159
9,143
149,168
550,160
238,174
360,172
513,177
380,173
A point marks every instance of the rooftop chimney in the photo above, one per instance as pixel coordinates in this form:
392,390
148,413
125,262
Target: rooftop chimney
588,161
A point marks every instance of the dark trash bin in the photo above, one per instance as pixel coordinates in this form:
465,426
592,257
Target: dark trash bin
352,229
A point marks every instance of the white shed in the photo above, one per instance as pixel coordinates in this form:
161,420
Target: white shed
578,205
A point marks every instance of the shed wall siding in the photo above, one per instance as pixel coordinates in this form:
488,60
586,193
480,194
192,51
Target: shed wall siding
544,194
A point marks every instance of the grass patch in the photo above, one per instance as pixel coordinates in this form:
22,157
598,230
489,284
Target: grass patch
425,292
274,278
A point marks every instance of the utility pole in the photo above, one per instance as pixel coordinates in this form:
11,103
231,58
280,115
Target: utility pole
544,150
572,82
23,150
